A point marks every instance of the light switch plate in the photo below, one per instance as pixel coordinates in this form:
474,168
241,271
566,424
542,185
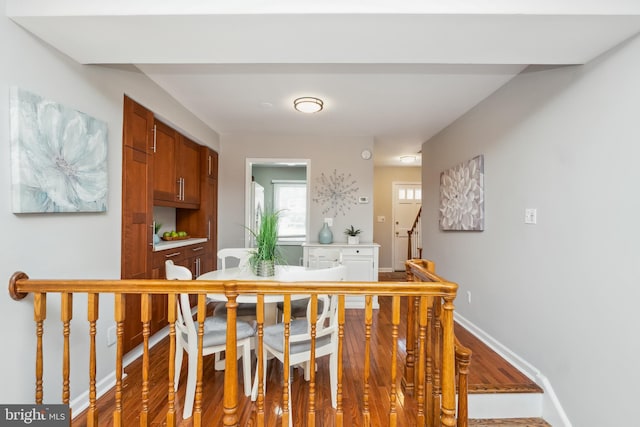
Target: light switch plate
530,216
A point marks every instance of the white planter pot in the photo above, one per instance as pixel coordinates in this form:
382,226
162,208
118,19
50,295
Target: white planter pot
353,240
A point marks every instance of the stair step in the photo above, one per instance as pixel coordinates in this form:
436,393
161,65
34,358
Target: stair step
509,422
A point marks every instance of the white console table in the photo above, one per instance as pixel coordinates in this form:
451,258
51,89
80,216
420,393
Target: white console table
361,261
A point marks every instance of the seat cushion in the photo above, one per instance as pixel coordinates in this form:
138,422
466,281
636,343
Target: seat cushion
274,337
299,307
215,331
245,309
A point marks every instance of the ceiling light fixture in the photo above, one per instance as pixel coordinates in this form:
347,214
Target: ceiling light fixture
308,104
407,159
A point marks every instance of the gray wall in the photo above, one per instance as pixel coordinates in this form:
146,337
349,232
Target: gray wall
325,153
66,245
562,294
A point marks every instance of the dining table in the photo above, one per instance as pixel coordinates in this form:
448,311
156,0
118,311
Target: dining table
283,273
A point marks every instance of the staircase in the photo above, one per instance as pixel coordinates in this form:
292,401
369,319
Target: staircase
499,394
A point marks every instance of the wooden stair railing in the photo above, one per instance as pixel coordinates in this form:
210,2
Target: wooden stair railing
434,357
414,250
429,323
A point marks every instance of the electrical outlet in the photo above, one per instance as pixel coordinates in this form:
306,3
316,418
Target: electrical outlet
111,336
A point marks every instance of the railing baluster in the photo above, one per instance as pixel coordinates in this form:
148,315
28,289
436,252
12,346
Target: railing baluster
171,317
145,317
395,321
201,315
408,380
66,313
368,320
422,350
92,317
119,316
339,410
437,358
39,314
260,362
286,380
432,414
313,316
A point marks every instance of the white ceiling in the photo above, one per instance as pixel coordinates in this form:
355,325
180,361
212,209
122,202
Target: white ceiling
397,71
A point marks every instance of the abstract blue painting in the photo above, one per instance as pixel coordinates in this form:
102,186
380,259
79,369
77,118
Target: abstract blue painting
58,157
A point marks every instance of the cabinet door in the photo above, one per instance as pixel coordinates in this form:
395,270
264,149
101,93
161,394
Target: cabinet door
359,269
165,181
137,213
189,171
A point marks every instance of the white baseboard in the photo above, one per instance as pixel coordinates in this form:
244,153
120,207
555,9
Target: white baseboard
385,270
105,384
551,409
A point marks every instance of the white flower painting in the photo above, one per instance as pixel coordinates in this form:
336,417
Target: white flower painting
58,157
462,196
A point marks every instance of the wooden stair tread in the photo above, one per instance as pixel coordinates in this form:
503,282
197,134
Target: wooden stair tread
509,422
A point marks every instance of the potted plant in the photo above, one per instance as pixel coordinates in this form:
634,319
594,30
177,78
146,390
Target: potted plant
353,237
266,254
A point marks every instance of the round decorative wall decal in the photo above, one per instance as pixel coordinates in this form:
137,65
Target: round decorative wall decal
336,193
462,196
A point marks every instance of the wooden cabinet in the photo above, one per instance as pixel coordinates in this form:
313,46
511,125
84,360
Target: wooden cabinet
361,261
203,222
162,167
137,210
176,173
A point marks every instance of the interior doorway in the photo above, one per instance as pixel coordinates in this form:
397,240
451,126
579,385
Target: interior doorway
407,199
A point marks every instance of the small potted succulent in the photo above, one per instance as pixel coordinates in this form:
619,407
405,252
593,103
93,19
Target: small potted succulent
353,237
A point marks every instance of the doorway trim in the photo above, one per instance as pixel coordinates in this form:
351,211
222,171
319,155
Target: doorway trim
393,216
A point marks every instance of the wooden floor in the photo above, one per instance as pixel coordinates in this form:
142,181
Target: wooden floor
488,373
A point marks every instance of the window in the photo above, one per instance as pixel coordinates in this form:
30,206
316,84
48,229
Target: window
290,198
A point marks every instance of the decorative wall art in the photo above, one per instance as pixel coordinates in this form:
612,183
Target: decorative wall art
462,196
58,157
336,193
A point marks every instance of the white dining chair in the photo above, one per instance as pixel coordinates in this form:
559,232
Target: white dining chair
300,333
240,254
213,342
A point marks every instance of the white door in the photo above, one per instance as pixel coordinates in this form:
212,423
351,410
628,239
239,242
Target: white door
407,199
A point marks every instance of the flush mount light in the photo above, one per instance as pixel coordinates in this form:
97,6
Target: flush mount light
407,159
308,104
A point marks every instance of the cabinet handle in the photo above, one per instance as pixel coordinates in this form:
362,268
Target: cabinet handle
209,161
172,255
209,230
154,139
197,249
182,189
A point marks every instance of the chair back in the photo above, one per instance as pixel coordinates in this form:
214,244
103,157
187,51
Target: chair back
240,254
327,320
185,323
